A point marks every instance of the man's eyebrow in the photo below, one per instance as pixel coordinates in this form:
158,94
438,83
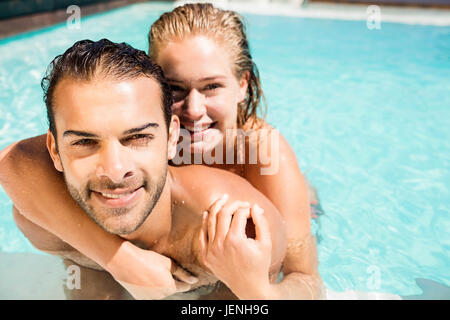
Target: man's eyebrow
91,135
145,126
79,133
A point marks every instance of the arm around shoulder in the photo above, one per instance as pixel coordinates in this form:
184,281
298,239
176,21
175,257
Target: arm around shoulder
216,182
39,193
47,242
54,223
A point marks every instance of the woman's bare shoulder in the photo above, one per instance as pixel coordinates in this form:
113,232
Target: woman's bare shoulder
25,148
18,155
266,150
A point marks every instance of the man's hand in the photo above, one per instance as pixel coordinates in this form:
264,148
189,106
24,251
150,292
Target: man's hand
148,275
241,262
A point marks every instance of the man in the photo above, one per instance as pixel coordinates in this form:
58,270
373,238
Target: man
111,136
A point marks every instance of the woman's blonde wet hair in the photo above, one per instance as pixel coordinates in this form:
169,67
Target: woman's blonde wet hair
228,28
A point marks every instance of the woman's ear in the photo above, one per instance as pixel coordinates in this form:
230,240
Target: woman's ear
53,151
174,133
243,85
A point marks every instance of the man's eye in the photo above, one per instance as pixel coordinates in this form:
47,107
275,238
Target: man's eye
84,142
138,139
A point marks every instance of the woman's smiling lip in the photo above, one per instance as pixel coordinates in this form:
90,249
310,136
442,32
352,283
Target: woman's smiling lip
197,127
199,132
118,198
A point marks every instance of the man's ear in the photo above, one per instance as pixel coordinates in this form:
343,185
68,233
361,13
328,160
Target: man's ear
243,85
174,133
53,151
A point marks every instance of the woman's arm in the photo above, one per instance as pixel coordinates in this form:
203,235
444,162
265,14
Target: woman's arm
284,185
39,193
44,240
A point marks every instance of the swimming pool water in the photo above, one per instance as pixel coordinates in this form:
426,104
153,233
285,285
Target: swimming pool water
367,112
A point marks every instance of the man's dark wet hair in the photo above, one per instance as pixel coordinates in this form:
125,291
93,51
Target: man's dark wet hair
87,59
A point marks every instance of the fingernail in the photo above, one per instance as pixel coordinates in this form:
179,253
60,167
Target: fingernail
192,280
258,209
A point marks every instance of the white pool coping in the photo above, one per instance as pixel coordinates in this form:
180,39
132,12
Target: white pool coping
31,276
358,12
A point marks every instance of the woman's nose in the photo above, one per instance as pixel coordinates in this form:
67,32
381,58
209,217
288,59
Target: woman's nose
194,105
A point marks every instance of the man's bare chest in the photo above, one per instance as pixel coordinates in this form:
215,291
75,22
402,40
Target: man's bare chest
184,250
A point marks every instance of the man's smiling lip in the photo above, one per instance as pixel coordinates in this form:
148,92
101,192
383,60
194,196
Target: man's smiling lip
117,191
118,198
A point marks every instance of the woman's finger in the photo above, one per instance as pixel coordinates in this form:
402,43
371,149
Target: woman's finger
212,217
182,275
218,204
225,216
239,223
181,286
203,236
262,229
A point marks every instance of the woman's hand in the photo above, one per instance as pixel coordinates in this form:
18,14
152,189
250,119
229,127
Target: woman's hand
148,275
242,263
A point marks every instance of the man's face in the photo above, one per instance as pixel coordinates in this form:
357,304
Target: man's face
112,148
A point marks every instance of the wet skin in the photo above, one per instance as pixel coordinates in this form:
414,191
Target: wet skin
99,159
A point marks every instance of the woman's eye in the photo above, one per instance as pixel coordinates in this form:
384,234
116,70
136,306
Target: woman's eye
175,88
213,86
84,142
178,93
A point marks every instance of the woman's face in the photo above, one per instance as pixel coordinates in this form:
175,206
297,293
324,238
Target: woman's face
206,91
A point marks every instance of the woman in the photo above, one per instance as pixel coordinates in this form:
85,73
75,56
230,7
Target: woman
205,55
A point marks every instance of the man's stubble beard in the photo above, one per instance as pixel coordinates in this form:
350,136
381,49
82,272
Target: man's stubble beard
82,198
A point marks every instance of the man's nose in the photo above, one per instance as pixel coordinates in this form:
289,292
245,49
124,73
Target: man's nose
194,105
114,162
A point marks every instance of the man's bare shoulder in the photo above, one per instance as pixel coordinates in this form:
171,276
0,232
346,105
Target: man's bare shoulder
200,186
203,185
207,184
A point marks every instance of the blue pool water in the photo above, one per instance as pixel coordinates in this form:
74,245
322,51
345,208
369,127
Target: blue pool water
367,112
